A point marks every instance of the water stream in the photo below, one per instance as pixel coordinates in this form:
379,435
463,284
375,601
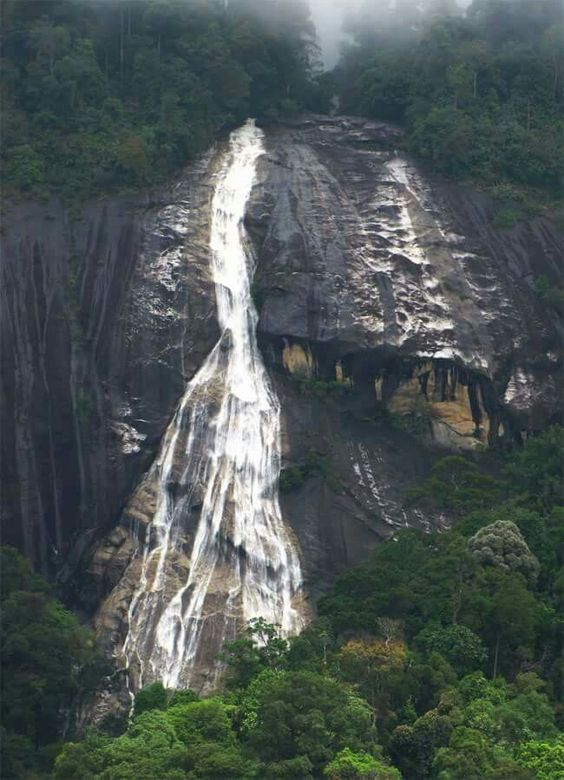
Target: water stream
217,552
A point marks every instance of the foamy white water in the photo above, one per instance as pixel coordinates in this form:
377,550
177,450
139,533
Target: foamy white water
221,457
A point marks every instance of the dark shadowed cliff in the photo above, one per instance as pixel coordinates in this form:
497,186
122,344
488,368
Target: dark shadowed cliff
396,323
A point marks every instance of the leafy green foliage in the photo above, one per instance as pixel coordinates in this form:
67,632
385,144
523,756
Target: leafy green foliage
362,766
314,463
501,544
544,758
323,388
292,478
303,716
187,740
153,697
457,484
104,95
260,648
457,644
537,468
504,218
481,95
439,657
487,720
48,662
485,599
551,295
442,652
471,756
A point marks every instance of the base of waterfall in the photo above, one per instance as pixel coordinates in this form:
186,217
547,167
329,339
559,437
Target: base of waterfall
322,208
211,549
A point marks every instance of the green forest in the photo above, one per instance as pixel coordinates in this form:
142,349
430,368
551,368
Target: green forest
101,95
442,656
481,95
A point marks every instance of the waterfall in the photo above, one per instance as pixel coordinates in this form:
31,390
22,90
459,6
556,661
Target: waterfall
217,552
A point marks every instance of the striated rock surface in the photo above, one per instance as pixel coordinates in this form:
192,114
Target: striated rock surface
396,323
105,313
395,284
359,252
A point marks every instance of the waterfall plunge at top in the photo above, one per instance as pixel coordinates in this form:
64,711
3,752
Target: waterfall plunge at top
217,552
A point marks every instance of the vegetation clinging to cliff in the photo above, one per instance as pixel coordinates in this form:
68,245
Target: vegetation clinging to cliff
49,661
482,95
440,657
103,95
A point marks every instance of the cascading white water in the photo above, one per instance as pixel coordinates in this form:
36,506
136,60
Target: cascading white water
220,458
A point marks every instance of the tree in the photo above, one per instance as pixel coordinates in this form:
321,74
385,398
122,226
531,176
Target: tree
538,467
48,662
260,648
81,759
349,766
289,716
544,758
312,648
461,647
501,544
470,756
511,616
181,72
202,722
526,712
26,167
475,54
149,749
368,662
191,740
206,728
152,697
48,41
480,95
379,587
459,79
132,157
455,482
413,747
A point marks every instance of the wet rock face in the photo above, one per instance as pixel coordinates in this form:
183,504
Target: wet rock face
354,467
361,253
104,315
396,285
395,322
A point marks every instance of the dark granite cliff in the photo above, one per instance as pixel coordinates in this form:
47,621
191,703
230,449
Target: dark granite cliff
365,258
379,276
396,322
105,310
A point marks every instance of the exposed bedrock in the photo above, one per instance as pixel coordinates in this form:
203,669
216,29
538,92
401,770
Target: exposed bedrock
362,254
105,311
396,324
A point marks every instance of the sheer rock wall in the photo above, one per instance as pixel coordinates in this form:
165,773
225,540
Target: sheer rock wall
396,322
105,311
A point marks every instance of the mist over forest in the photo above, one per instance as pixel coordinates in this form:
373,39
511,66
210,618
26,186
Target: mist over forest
398,196
97,93
335,20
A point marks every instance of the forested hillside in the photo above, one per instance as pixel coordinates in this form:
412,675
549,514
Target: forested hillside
409,358
103,95
481,95
440,657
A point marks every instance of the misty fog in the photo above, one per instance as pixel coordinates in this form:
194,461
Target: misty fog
329,18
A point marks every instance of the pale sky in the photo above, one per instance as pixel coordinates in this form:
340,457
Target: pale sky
328,17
